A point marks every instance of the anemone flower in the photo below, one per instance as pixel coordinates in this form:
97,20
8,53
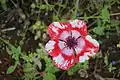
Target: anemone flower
70,43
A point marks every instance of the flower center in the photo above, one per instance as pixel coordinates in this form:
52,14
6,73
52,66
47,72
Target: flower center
71,42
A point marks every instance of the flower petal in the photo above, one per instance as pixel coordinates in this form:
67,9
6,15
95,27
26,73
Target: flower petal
83,58
64,35
80,26
63,63
67,51
52,48
75,34
80,45
91,44
56,28
93,41
90,49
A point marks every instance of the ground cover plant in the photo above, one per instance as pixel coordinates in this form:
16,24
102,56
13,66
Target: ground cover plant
24,34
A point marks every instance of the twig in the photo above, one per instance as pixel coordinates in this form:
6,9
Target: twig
8,29
26,25
92,23
114,14
14,3
6,42
46,2
89,17
76,8
95,67
98,17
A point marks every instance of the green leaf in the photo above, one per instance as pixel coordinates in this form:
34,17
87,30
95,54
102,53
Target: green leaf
105,15
38,35
55,17
18,51
11,69
70,72
43,6
85,17
111,68
99,23
99,30
49,76
73,69
28,67
106,59
84,65
98,55
37,62
13,48
3,4
114,22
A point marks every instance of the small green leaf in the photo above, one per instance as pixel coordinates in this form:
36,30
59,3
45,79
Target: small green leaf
43,6
99,30
49,76
3,4
18,50
98,55
13,49
70,72
85,17
111,68
11,69
99,23
84,65
105,15
38,35
33,5
73,69
38,23
28,67
114,22
37,62
106,59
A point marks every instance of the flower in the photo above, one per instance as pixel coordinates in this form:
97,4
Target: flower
113,62
70,43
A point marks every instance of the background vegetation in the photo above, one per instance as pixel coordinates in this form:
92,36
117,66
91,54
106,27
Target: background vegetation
23,34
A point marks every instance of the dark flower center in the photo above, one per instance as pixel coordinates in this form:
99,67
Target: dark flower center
71,42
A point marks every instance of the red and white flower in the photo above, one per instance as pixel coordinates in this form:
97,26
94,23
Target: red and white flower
70,43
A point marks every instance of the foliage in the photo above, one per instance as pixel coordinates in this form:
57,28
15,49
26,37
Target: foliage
3,4
15,53
37,65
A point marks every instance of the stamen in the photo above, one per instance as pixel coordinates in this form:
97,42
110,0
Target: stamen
64,47
62,40
71,42
74,51
78,37
70,33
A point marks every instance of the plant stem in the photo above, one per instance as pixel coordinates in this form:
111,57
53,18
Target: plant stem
91,17
76,9
5,41
114,14
61,75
